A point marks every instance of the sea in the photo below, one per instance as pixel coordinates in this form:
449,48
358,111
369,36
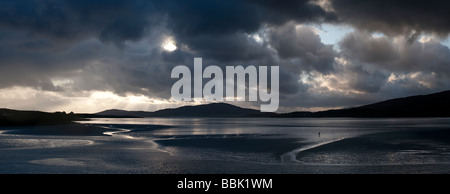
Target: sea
234,146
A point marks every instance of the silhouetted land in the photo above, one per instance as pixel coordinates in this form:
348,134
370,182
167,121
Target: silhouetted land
28,118
432,105
205,110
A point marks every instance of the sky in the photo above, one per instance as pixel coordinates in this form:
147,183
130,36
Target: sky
91,55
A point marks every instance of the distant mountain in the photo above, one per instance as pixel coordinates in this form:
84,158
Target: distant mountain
432,105
205,110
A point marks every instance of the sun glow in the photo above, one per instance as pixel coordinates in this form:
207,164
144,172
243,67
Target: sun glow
169,44
26,98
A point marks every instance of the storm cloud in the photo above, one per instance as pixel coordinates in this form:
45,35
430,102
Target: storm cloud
293,41
71,49
395,17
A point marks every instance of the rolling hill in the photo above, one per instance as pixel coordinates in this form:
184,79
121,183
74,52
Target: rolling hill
432,105
205,110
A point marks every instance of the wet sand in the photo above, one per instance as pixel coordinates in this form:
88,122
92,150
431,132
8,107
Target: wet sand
53,151
247,143
398,148
72,129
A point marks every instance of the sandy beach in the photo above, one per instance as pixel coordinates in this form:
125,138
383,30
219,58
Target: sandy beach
137,149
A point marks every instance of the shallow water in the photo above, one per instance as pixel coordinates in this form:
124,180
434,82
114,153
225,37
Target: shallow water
281,140
236,145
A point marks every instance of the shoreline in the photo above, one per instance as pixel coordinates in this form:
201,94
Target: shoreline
402,147
70,129
48,149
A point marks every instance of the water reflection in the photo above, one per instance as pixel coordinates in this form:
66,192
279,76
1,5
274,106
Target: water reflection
288,140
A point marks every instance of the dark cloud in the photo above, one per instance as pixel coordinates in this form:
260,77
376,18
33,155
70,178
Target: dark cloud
367,80
314,101
144,79
396,17
397,54
215,17
219,29
233,47
297,10
292,41
364,47
123,20
56,37
375,62
112,21
73,46
28,62
199,17
45,17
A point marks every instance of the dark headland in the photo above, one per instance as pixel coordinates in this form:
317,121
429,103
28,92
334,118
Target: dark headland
431,105
205,110
10,117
